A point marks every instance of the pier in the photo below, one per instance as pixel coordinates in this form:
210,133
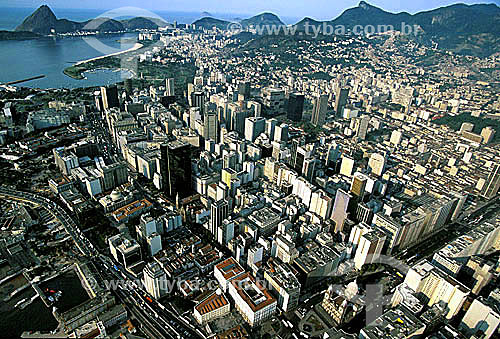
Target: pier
23,80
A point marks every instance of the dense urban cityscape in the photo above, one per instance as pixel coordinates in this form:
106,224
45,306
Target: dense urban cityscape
235,184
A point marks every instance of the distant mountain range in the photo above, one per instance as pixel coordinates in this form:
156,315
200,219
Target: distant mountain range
466,29
43,21
261,19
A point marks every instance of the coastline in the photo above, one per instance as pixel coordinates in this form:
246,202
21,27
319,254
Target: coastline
77,70
134,48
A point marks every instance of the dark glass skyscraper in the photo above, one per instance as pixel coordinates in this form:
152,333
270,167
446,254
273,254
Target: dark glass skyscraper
341,99
175,168
244,89
109,97
295,106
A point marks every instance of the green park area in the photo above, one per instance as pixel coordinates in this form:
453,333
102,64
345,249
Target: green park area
455,122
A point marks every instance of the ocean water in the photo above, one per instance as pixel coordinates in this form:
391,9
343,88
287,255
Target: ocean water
50,56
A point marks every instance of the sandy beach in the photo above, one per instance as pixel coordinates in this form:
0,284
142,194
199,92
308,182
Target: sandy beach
136,47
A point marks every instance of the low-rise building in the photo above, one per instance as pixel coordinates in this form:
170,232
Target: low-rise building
226,271
252,300
213,306
124,214
398,323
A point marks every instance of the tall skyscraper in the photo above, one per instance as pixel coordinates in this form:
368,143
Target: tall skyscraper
361,126
333,154
396,137
175,168
344,204
300,157
308,169
358,185
109,97
296,143
295,107
281,133
341,99
113,176
190,91
492,185
218,212
225,232
170,87
237,120
274,100
377,164
155,280
271,128
128,86
369,248
347,165
244,89
488,134
198,100
254,127
319,111
210,127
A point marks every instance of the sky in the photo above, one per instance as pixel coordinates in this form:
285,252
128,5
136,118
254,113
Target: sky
317,9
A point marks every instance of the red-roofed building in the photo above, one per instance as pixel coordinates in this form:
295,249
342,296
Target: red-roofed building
226,271
214,306
252,300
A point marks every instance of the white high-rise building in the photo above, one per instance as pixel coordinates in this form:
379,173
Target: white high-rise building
361,126
255,255
483,315
254,127
225,232
155,280
281,133
396,137
170,87
154,244
321,204
377,164
437,286
347,166
369,248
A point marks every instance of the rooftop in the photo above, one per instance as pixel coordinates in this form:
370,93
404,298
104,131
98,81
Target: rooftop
230,268
255,295
211,303
130,209
397,323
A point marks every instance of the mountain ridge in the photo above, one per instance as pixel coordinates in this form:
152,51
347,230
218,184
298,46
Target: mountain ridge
43,21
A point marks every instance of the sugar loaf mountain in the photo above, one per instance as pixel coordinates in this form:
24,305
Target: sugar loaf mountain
464,29
43,21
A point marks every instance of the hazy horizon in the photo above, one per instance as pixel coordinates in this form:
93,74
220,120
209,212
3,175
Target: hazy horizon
319,9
